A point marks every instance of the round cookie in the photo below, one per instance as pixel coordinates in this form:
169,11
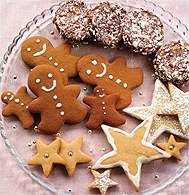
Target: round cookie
143,31
171,62
71,20
105,22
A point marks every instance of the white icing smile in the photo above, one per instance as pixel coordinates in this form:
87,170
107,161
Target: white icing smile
101,96
104,71
41,52
50,89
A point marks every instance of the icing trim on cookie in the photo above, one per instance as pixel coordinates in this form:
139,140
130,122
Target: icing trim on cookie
104,71
50,89
39,53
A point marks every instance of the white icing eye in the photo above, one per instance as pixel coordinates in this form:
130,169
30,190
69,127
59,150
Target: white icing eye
94,62
102,89
97,91
37,41
8,93
37,81
5,98
29,49
88,72
50,75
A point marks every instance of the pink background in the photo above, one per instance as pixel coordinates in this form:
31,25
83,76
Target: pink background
14,15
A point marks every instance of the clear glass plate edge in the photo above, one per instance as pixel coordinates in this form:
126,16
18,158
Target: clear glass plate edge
179,28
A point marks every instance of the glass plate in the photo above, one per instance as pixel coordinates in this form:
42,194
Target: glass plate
154,176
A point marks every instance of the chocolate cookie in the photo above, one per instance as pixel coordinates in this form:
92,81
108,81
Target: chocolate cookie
171,62
143,31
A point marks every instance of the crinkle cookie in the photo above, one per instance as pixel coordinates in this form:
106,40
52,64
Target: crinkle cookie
143,31
71,20
171,62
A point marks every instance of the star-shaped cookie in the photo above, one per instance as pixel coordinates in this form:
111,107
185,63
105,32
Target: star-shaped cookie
103,109
102,181
72,154
130,151
172,147
47,156
170,124
179,106
17,104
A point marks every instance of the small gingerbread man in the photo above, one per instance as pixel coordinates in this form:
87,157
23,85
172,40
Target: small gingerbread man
56,103
115,77
38,50
18,106
103,109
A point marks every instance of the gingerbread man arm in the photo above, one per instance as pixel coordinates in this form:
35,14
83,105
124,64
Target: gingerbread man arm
35,106
7,111
72,90
114,97
88,100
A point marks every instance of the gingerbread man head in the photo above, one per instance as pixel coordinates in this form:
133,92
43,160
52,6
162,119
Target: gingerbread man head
44,79
7,97
99,91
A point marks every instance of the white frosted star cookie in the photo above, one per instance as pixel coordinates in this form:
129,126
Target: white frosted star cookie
161,123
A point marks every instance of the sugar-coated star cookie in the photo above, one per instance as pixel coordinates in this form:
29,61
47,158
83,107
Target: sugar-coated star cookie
72,154
115,77
18,106
172,147
179,106
55,102
103,109
130,151
47,156
38,50
170,124
102,181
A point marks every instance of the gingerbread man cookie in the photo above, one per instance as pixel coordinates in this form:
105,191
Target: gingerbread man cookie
38,50
103,109
18,106
56,103
115,77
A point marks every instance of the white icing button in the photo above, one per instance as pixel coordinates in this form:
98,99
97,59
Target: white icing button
56,64
37,41
55,97
61,70
88,72
118,81
50,75
62,113
5,98
50,58
26,107
103,102
125,85
104,108
59,105
104,113
28,49
17,101
22,104
94,62
37,81
111,77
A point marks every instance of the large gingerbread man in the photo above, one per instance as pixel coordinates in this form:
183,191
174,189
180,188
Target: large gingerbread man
38,50
56,103
115,77
103,109
18,106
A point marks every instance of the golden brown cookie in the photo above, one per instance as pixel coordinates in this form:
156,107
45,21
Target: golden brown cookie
38,50
18,106
72,154
55,102
102,181
103,109
47,156
130,151
172,147
115,77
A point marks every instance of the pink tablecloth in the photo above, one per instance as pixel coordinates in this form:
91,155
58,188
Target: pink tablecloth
13,16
